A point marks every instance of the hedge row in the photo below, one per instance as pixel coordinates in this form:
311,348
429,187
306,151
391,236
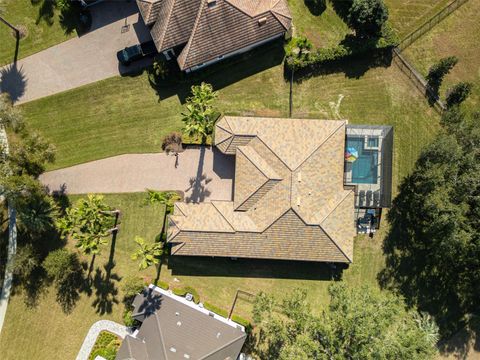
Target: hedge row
301,54
163,285
242,321
187,290
215,309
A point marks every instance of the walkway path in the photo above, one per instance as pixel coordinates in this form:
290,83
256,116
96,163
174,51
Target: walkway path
203,174
82,60
99,326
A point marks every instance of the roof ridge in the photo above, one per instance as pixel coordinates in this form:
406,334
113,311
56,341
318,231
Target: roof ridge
161,336
213,203
347,192
320,145
250,160
182,58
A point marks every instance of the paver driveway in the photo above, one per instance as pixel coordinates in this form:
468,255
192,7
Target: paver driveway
203,174
79,61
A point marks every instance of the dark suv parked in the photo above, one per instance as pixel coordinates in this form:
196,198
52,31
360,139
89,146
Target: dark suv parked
136,52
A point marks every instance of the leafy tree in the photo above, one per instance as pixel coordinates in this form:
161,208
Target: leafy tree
61,264
433,248
89,222
148,254
36,210
367,17
359,324
25,262
31,155
458,94
199,117
10,116
437,72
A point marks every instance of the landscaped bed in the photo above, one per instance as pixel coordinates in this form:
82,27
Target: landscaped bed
106,346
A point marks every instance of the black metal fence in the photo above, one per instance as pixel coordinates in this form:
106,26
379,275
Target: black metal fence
427,26
418,80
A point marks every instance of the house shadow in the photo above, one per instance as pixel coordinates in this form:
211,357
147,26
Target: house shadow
223,165
254,268
219,75
13,81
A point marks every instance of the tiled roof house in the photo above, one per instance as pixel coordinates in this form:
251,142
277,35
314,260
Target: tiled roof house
202,32
289,199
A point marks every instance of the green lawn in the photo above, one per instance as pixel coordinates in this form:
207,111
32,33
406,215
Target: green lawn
39,36
324,28
456,35
216,280
57,333
408,15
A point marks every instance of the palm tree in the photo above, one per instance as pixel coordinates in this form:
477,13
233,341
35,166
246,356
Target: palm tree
199,117
89,223
149,254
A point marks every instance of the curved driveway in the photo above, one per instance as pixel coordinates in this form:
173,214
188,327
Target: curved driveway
202,173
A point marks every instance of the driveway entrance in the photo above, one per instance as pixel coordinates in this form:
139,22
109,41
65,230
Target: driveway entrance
80,61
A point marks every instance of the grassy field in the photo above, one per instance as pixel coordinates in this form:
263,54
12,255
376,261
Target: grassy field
408,15
39,35
58,333
323,27
456,35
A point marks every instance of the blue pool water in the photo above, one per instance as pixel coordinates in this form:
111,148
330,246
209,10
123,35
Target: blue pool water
365,168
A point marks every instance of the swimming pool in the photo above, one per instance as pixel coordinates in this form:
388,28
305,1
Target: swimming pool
365,168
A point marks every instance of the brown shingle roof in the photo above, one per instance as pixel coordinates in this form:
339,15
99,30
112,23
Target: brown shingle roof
210,31
288,171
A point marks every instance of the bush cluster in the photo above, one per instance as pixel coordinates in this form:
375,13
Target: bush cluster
301,54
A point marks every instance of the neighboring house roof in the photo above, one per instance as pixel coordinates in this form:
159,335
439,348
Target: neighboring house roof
174,328
213,28
289,198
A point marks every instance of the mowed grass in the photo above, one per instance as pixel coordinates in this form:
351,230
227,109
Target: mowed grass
407,15
45,331
125,115
39,36
457,36
323,28
216,280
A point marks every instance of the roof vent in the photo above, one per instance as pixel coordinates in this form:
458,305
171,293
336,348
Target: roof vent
211,3
172,349
262,21
299,177
177,313
298,201
218,335
186,356
179,323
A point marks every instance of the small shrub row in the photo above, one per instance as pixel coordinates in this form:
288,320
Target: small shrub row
301,54
187,290
163,285
215,309
244,322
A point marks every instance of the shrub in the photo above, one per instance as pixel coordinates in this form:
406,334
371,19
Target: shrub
367,17
128,319
163,285
172,143
61,264
161,68
244,322
215,309
132,285
458,94
187,290
106,345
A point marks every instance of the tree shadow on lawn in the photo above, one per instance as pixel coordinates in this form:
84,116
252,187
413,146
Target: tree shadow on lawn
407,271
220,75
253,268
316,7
13,81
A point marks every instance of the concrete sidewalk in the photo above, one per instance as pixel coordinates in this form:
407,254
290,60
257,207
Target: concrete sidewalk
80,61
203,174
